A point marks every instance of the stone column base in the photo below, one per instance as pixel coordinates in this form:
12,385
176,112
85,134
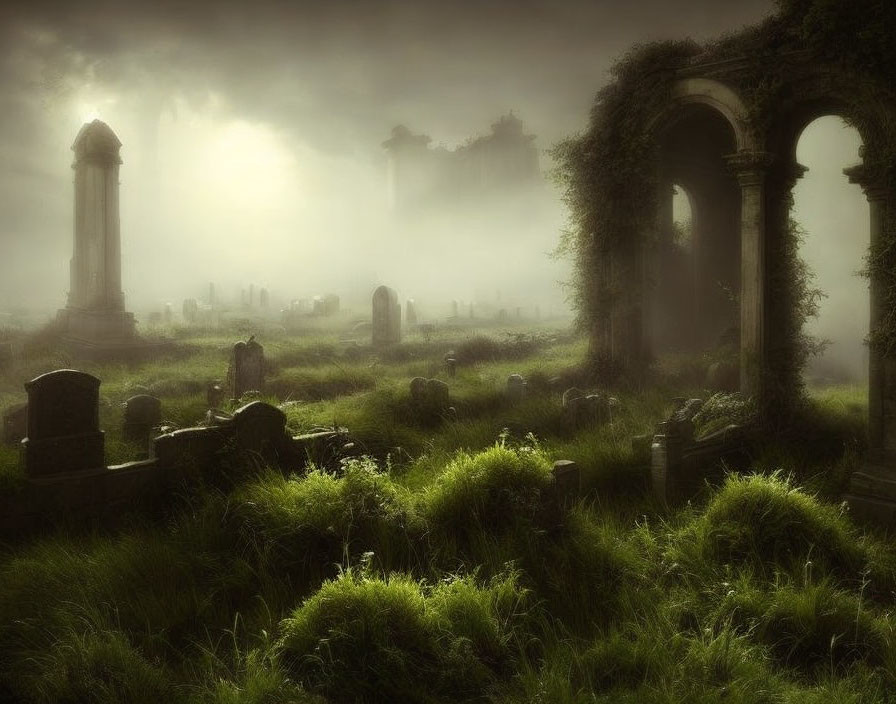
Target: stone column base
872,496
97,329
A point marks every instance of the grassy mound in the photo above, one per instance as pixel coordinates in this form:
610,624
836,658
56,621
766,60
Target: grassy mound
766,522
491,490
373,640
815,628
306,526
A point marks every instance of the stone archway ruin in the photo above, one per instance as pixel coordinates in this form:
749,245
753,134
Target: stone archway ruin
728,134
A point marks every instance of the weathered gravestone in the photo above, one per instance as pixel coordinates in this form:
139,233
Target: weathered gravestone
63,424
261,430
15,424
516,387
430,394
247,368
386,317
410,313
567,480
142,413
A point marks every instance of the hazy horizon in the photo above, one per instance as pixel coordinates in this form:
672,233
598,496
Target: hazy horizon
252,144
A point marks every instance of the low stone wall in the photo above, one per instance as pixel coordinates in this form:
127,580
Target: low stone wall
257,432
681,465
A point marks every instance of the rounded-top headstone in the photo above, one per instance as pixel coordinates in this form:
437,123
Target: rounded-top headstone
143,409
63,402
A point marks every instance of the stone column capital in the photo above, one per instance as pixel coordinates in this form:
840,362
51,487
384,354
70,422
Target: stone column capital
872,178
750,167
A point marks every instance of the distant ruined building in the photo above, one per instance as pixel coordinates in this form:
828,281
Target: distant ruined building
419,175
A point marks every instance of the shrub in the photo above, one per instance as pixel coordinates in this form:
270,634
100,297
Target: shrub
768,523
490,491
307,525
373,640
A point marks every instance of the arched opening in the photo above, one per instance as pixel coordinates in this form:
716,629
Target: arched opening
834,217
697,265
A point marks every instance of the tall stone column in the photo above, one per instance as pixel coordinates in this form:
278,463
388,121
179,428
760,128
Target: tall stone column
872,491
95,315
751,168
874,185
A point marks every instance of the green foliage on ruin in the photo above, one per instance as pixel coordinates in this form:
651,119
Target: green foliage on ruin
608,172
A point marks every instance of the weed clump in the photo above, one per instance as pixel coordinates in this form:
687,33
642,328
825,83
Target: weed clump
815,628
770,524
489,491
307,525
386,640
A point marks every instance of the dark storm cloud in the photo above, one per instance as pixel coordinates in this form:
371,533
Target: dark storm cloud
362,65
331,77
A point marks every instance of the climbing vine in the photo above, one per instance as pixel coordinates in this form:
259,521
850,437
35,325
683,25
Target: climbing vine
608,173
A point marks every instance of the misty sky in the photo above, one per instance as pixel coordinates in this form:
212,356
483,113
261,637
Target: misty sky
252,135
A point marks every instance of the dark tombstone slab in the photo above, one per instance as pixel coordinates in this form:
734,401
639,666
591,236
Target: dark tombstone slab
386,317
261,429
63,424
142,413
516,387
410,313
567,480
15,424
247,368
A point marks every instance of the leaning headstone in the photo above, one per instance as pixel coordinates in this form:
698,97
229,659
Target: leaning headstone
247,368
15,424
142,413
63,424
386,317
451,366
516,387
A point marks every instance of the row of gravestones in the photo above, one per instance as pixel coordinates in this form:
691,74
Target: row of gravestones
142,413
63,434
59,426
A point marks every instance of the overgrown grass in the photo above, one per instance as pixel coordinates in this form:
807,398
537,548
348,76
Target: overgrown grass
443,566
